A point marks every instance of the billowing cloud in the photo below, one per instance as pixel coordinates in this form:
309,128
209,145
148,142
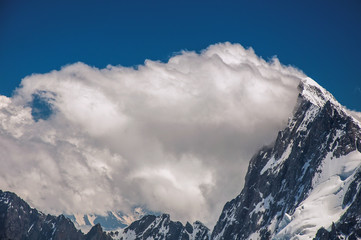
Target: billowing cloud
172,137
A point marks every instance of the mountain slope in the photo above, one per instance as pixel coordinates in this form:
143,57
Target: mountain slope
349,226
19,221
303,181
161,227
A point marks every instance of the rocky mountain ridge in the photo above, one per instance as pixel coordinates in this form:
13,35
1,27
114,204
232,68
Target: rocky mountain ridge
19,221
161,227
306,180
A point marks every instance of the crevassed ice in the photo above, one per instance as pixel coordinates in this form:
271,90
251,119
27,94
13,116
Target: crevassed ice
324,204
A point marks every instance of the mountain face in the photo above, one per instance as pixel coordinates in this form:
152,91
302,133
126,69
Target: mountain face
18,221
306,181
161,227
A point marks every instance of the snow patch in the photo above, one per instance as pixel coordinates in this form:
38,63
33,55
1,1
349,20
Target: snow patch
273,163
32,225
309,117
254,236
263,205
130,235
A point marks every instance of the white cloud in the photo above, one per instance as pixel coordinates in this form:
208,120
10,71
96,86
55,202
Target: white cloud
174,137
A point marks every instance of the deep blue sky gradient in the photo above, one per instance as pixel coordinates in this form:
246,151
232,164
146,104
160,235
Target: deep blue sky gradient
322,38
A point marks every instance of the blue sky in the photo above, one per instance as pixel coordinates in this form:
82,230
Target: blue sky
322,38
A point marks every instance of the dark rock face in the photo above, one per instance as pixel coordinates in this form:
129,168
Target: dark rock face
162,227
18,221
96,233
280,177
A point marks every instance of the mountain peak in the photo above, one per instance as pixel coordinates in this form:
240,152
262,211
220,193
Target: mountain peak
300,183
314,93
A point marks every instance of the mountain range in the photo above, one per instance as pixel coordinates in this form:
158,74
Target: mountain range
112,220
305,185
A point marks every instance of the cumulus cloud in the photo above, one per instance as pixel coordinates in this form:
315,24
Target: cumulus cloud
171,137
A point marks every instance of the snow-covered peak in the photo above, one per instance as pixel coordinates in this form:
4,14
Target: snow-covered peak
306,180
313,92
